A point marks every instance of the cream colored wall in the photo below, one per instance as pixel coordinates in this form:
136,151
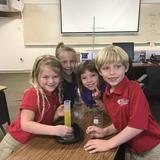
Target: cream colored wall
42,26
16,57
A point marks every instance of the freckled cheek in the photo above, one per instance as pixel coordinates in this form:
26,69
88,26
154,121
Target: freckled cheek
42,81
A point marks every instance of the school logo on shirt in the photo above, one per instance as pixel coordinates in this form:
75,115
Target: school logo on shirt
123,101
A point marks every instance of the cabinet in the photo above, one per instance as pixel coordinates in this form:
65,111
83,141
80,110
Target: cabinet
10,14
153,83
11,8
4,114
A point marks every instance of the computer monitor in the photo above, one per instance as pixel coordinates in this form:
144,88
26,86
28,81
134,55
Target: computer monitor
128,47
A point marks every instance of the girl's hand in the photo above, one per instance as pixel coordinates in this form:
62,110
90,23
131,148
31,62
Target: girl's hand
59,112
62,130
97,145
95,132
96,93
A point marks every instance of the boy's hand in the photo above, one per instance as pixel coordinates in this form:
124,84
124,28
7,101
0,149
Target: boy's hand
97,145
95,132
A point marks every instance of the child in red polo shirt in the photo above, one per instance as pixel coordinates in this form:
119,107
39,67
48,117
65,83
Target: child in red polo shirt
39,107
128,109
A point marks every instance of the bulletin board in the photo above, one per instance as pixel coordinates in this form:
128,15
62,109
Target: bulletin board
42,27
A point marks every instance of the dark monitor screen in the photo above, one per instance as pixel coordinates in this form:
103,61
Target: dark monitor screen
3,2
128,47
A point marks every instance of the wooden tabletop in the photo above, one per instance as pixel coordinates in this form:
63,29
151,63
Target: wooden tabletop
46,148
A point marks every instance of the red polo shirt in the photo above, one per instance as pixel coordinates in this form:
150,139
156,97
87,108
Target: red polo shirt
29,102
127,106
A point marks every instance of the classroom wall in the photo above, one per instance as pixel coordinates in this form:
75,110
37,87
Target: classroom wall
18,57
15,55
12,46
46,27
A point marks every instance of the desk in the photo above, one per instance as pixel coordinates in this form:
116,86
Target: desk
46,148
4,115
149,64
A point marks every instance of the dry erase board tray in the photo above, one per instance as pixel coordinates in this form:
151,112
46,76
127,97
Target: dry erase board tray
77,133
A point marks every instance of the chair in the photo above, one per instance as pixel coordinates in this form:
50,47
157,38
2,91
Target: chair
141,79
4,115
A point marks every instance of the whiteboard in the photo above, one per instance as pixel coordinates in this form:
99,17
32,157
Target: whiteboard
42,27
87,16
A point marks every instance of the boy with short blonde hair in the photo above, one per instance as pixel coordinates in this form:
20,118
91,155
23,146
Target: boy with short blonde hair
128,109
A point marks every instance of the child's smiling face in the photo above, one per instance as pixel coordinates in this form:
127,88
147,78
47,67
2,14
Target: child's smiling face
90,79
49,79
113,73
68,62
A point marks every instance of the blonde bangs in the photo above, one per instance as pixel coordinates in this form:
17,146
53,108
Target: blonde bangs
111,54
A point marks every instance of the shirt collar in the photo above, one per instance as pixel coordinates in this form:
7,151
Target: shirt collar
47,93
119,87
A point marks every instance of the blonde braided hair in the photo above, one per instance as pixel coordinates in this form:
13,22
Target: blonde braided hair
40,63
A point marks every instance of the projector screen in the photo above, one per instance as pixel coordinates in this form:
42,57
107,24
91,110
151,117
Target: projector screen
99,16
